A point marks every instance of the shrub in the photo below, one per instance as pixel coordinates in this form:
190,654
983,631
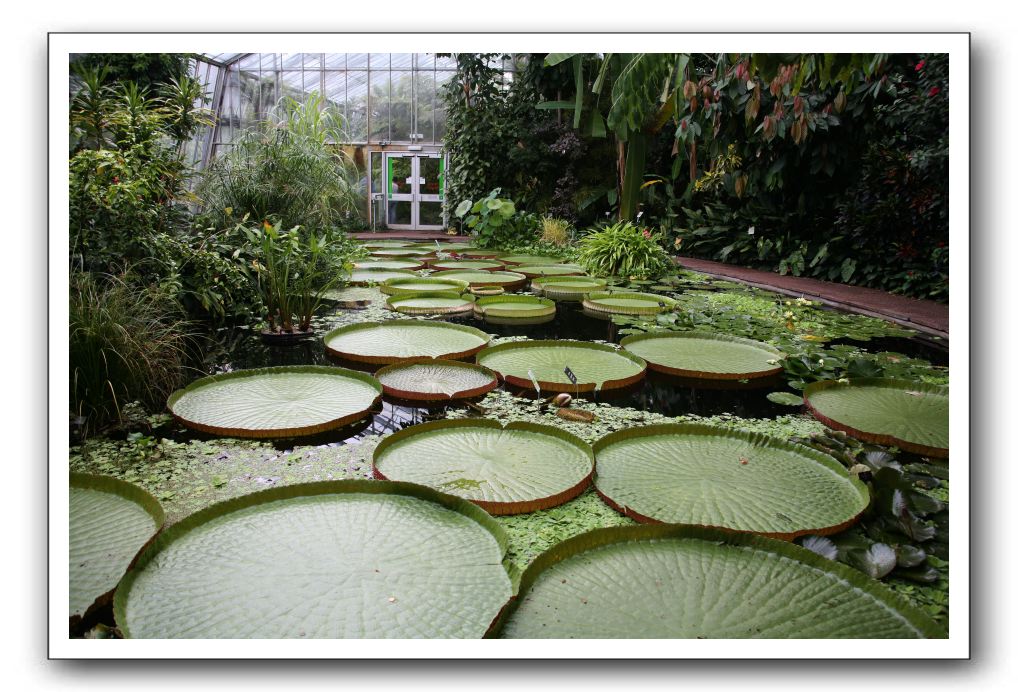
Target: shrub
127,343
624,250
495,222
556,231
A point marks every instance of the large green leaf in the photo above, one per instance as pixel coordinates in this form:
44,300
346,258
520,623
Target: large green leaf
510,307
708,476
529,259
418,285
567,287
377,276
403,252
627,302
536,270
705,355
909,415
283,401
507,280
427,303
393,341
436,380
522,467
386,244
110,521
376,264
664,582
596,366
340,559
459,265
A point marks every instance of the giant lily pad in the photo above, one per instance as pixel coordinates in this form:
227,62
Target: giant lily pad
403,252
436,380
110,521
514,307
705,355
470,265
595,366
627,302
386,244
394,341
406,265
708,476
909,415
339,559
530,259
507,280
567,287
522,467
418,285
535,270
363,277
481,253
664,582
440,303
285,401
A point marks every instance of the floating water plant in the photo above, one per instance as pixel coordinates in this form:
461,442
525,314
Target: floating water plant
514,307
536,270
364,277
403,252
427,303
441,381
704,355
110,521
909,415
386,244
627,302
394,341
595,366
339,559
372,264
567,287
419,285
684,582
458,265
707,476
283,401
509,281
522,467
530,259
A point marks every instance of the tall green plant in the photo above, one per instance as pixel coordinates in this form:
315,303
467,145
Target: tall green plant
624,250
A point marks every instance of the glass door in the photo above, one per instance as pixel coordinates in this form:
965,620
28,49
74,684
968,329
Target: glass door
415,191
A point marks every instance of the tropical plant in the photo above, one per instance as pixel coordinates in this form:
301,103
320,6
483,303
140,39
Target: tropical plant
623,249
287,167
494,221
293,270
556,231
128,342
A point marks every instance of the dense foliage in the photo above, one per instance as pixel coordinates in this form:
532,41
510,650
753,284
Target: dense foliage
624,250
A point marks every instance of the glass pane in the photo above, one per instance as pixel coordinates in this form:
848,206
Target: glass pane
430,173
445,63
250,62
291,84
335,91
292,61
377,173
425,61
402,99
379,113
431,214
402,61
335,61
400,181
358,61
270,61
357,106
379,61
443,79
313,61
425,97
399,213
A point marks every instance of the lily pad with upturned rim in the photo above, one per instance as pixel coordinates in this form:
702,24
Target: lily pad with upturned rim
410,252
627,302
533,271
707,476
427,303
682,582
395,341
567,287
363,277
530,259
705,355
910,415
405,265
436,380
386,244
419,285
284,401
110,520
481,253
507,280
521,467
514,307
596,366
338,559
460,265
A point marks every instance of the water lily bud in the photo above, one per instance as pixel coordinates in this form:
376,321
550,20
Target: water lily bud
688,90
562,400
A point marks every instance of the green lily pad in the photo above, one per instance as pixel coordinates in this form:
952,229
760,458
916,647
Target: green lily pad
386,244
672,582
785,398
285,401
339,559
909,415
536,270
377,264
705,355
707,476
460,265
394,341
110,521
418,285
627,302
530,259
440,303
507,280
403,252
363,277
522,467
436,380
514,307
595,366
567,287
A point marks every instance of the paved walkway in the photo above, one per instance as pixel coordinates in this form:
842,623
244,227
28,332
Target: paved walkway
923,315
407,235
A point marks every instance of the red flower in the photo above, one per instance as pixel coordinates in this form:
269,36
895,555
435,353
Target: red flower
920,65
934,91
646,234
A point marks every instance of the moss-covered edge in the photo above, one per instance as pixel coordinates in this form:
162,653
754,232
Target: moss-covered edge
498,508
181,528
754,438
275,370
925,626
